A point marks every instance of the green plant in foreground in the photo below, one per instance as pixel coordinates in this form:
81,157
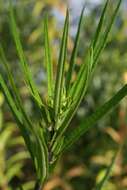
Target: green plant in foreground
10,166
49,137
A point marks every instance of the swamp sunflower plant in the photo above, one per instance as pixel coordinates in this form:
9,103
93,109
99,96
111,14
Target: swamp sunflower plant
49,137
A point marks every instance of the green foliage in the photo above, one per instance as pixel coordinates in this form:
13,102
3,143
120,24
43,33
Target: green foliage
59,84
10,166
48,59
48,138
101,184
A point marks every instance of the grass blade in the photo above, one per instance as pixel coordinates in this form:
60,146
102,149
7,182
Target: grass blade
26,126
74,53
48,59
10,101
100,25
73,136
80,92
81,78
16,113
23,62
10,77
26,121
107,174
103,40
24,66
60,68
14,90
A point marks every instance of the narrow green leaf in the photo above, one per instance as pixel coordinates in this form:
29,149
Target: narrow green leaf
82,76
24,66
45,166
26,125
100,25
10,77
107,174
102,42
10,101
60,68
16,113
23,62
74,135
15,92
74,53
40,154
13,171
42,157
48,59
80,92
17,158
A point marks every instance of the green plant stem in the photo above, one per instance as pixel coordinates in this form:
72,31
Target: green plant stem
38,186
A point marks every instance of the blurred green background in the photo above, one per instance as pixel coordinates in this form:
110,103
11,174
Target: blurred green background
85,163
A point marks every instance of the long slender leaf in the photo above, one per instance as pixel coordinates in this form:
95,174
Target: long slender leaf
15,92
25,118
23,62
75,134
107,174
10,101
82,88
103,40
17,102
60,68
48,59
74,53
10,77
42,157
100,25
81,79
16,113
24,66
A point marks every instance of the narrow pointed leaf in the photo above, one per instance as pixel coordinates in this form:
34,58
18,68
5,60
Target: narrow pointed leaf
100,25
16,113
44,168
10,77
74,53
81,78
10,101
82,88
14,90
23,62
107,174
18,103
73,136
60,68
24,66
103,39
48,59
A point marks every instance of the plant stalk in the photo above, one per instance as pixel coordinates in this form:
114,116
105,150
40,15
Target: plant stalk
38,186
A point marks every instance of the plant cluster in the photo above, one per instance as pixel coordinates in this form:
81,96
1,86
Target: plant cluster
49,137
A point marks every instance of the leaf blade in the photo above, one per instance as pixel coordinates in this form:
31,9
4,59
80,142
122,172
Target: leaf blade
60,68
100,24
108,172
48,58
74,53
83,84
74,135
103,41
23,62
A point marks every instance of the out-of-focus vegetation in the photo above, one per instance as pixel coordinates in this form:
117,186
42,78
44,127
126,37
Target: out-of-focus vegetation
85,164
